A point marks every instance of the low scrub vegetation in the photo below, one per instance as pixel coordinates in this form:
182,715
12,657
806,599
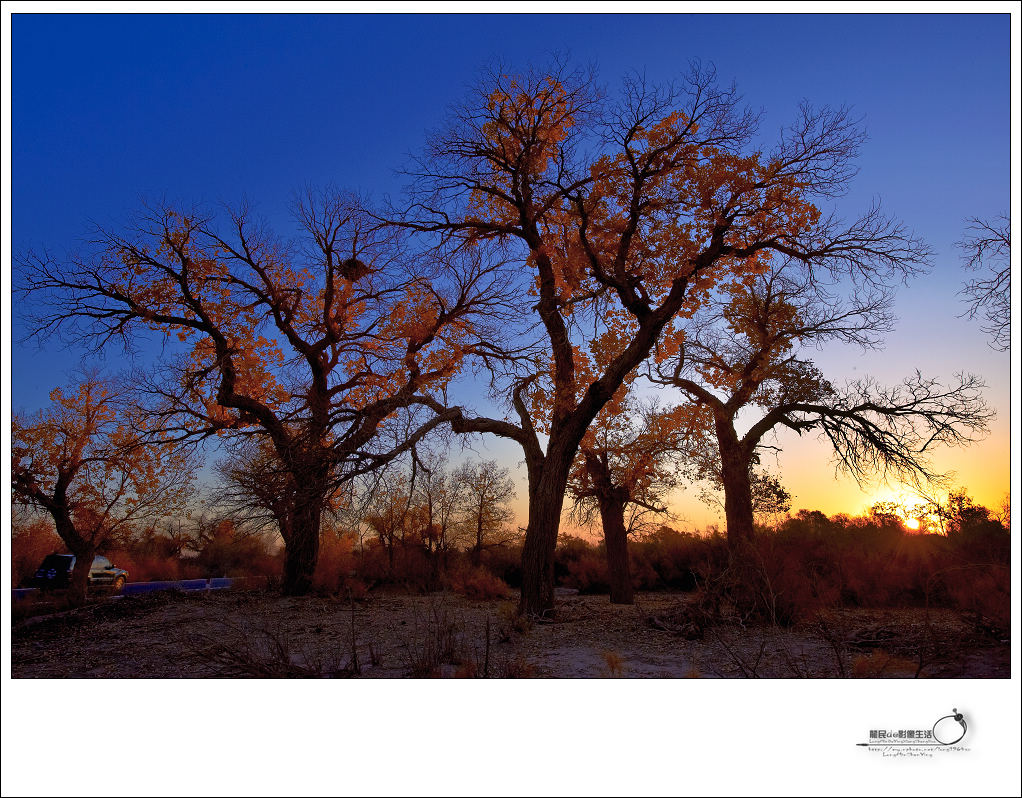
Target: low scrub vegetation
806,563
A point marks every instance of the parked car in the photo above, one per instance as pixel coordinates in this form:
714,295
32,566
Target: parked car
55,572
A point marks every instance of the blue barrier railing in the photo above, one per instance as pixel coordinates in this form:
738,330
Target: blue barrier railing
138,588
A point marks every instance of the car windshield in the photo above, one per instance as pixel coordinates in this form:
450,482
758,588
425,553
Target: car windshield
100,563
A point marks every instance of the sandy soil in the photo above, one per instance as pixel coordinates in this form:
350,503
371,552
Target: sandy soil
257,634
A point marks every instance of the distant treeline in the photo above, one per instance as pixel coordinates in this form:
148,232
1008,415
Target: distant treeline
807,562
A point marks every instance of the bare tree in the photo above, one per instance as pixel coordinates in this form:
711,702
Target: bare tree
437,498
485,490
313,345
746,354
986,249
255,487
389,512
623,215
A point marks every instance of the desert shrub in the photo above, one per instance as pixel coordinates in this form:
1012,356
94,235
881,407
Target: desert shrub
569,550
504,562
671,559
644,576
226,549
157,545
271,652
976,537
509,622
372,564
476,582
615,664
812,561
588,573
149,568
31,541
664,559
336,566
880,663
408,566
438,640
229,551
417,569
983,590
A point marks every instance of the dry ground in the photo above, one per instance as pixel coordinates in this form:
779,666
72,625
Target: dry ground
228,633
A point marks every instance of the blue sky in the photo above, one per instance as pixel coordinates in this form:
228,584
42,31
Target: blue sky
109,110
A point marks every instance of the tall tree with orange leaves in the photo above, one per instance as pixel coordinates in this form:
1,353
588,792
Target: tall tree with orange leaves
313,345
93,465
623,215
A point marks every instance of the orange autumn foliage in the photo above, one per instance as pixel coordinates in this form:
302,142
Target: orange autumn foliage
97,468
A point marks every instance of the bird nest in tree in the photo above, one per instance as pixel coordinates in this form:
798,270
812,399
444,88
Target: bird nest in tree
353,269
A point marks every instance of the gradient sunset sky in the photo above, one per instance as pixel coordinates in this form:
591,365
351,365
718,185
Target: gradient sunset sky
109,110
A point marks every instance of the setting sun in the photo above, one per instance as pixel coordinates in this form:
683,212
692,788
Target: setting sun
910,507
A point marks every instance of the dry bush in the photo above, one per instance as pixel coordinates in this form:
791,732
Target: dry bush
662,560
581,565
504,562
510,622
270,652
439,642
442,644
356,589
477,582
615,664
153,567
879,663
812,562
371,565
416,569
231,552
336,566
407,566
588,572
784,581
983,592
670,559
31,541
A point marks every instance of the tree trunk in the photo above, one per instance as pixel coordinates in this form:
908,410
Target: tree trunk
302,549
612,500
83,548
615,537
737,488
78,588
546,497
